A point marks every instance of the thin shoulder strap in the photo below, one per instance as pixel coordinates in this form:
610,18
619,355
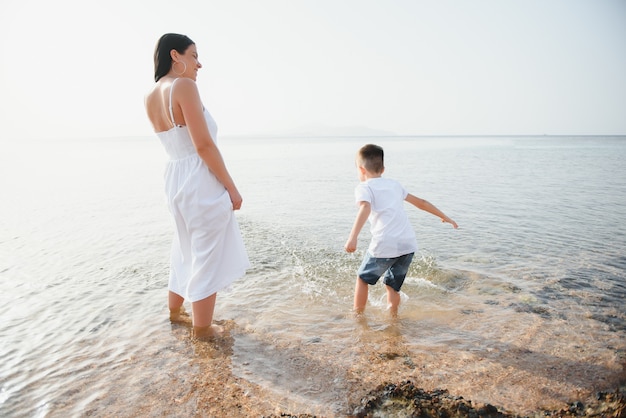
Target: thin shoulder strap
171,108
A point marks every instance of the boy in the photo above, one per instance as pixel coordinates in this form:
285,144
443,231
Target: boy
393,240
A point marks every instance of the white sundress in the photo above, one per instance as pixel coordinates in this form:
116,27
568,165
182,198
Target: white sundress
208,253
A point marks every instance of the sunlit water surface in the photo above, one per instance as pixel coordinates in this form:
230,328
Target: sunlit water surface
522,306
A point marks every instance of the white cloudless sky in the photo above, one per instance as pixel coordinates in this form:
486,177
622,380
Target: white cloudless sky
80,68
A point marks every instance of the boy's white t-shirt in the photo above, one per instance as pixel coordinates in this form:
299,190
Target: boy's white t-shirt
392,234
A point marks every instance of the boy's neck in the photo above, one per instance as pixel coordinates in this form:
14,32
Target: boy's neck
369,176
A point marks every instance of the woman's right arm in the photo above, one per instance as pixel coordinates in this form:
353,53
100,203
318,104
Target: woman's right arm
187,97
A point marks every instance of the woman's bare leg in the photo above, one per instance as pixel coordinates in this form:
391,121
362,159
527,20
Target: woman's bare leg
202,317
175,303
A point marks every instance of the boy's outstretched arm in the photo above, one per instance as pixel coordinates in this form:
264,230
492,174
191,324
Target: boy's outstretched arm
364,211
430,208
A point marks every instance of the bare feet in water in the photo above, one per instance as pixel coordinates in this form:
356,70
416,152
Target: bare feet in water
179,315
207,333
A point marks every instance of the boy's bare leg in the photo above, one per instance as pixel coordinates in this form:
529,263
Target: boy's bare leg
360,296
202,317
393,300
175,304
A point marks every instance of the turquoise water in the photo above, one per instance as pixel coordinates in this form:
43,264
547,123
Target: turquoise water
522,306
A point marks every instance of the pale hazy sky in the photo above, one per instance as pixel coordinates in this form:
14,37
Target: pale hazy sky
80,68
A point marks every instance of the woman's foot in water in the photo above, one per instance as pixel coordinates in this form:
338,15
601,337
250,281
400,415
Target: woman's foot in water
208,332
179,315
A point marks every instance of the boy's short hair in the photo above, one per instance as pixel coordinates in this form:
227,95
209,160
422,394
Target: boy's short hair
372,158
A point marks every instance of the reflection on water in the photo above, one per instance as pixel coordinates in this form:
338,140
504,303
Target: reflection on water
522,307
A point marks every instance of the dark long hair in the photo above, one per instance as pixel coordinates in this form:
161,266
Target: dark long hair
162,57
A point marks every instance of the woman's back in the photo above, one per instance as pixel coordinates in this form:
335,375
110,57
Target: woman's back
175,138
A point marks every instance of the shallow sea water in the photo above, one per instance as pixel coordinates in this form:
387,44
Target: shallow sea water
521,307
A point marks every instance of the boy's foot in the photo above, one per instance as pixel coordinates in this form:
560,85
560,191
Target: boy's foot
393,311
208,332
359,317
358,312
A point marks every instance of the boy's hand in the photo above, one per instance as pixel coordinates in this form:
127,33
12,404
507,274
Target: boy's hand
364,211
350,246
450,221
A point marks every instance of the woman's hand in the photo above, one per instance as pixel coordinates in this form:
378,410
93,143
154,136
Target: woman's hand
235,198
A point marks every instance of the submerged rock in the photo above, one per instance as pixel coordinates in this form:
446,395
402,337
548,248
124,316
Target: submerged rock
406,400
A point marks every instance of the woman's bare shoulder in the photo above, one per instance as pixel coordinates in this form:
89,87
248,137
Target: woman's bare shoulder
185,90
156,92
184,84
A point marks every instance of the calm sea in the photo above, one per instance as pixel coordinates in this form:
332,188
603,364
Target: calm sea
522,306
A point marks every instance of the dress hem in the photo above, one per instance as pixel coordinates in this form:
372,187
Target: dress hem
220,288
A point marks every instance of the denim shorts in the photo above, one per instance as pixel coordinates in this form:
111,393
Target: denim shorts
394,270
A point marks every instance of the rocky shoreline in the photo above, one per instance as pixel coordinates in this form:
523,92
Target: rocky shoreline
405,400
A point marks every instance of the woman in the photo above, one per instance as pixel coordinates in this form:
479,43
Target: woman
208,253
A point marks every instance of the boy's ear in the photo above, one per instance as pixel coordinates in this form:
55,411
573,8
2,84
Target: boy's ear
362,169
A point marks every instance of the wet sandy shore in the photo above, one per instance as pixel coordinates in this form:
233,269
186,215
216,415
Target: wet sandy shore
245,374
